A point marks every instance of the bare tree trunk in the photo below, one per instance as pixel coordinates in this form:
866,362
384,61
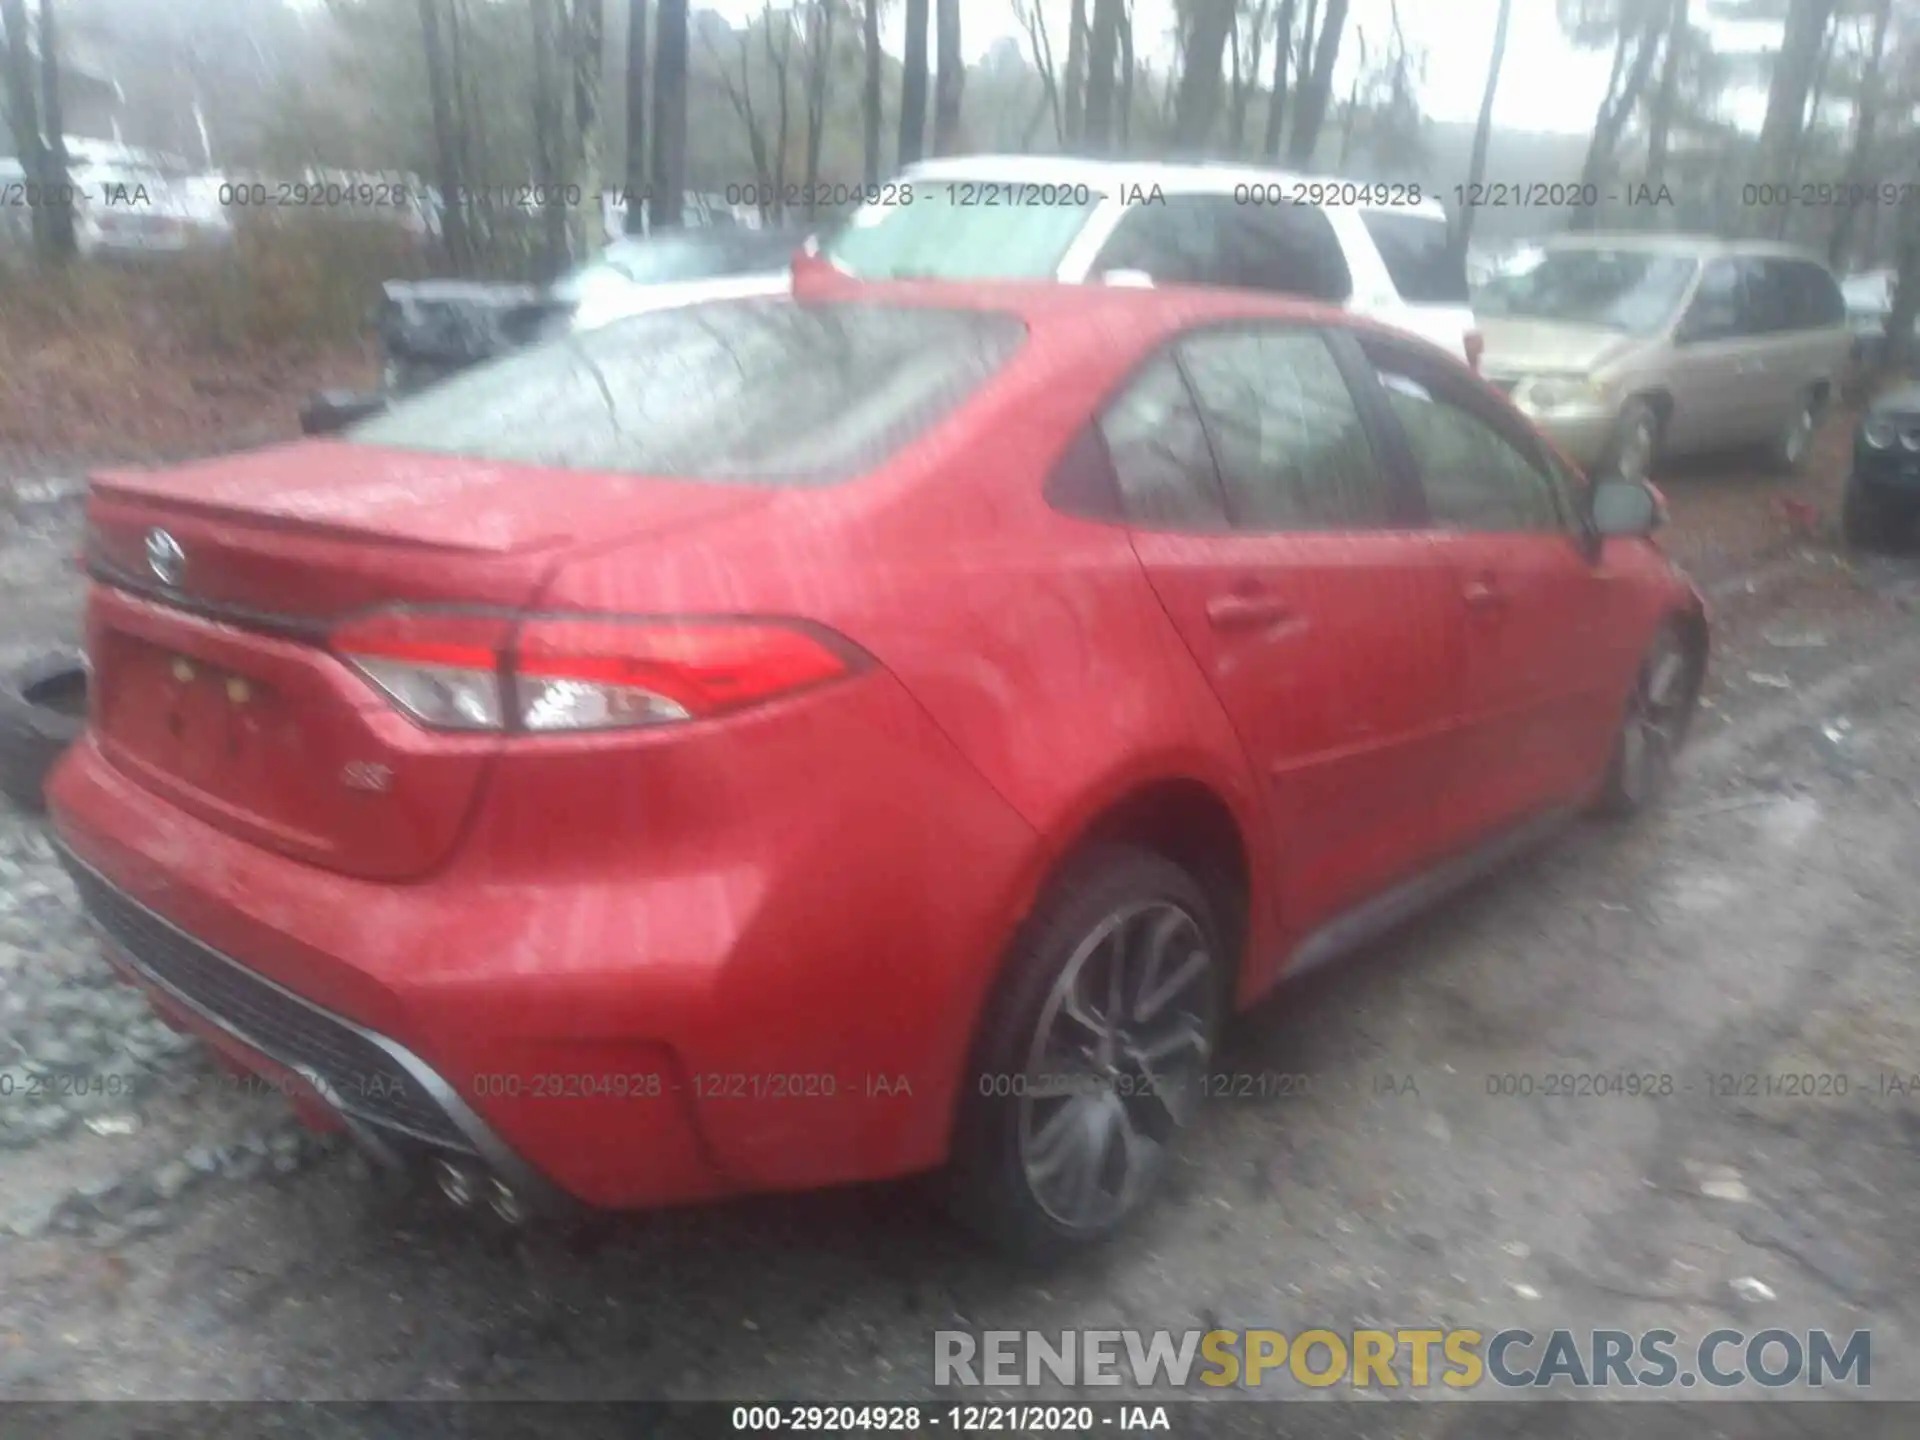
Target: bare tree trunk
1199,101
1076,83
1236,87
1483,129
1318,86
870,93
54,197
453,215
1352,116
469,133
1246,77
1103,45
636,219
1863,127
766,188
1660,126
1033,19
1124,31
779,62
23,118
1793,73
1899,350
1615,107
950,79
667,194
586,50
1277,102
913,85
549,124
819,66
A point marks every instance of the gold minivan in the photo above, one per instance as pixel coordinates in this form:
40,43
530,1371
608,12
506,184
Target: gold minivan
1626,348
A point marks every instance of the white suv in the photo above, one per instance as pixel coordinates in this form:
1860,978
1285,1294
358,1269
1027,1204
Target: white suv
1384,251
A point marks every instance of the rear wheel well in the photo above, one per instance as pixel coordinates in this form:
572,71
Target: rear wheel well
1189,824
1662,405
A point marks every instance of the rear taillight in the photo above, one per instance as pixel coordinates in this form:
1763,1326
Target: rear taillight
1476,347
442,669
557,673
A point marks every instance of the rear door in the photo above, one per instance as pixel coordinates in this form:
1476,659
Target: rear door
1291,560
1718,388
1534,606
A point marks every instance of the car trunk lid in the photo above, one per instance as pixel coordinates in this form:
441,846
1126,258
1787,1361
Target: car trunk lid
213,684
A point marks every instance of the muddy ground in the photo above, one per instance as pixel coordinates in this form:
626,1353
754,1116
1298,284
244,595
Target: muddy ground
182,1240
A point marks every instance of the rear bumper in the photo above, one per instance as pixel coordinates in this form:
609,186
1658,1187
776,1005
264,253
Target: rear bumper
336,1072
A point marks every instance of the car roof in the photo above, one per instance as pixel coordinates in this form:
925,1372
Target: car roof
1179,177
1702,247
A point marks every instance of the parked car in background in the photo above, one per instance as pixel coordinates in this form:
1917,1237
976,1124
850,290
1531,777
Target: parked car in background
1869,297
633,275
1372,249
657,766
1626,348
1883,490
431,328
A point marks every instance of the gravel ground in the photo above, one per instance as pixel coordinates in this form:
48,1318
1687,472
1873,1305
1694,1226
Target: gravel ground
165,1234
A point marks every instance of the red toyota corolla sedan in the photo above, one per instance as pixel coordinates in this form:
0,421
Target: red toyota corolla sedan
785,742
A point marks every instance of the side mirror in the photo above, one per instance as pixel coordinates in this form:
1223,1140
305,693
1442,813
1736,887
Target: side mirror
1625,508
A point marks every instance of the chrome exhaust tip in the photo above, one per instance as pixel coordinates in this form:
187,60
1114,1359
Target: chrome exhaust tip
457,1183
506,1204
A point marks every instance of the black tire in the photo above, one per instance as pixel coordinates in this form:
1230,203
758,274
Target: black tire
987,1182
1866,522
1635,447
42,711
1790,449
1654,722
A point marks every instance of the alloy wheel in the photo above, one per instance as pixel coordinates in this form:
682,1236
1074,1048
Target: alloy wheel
1117,1062
1799,437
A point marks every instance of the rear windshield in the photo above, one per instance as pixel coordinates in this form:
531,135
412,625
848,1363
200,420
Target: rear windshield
1426,266
758,391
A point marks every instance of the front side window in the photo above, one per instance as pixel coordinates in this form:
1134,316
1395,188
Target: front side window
1716,310
1474,477
756,391
955,231
1160,454
1293,453
1635,291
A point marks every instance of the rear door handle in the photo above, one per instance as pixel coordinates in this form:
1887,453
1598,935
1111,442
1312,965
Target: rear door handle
1247,612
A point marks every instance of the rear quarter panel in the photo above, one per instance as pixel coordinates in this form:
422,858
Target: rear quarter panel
1030,640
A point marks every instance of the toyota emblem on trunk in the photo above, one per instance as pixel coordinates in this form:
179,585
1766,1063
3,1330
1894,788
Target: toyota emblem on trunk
165,557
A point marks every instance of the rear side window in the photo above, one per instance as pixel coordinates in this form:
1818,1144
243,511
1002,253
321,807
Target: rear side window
1160,453
1293,452
1213,240
1425,264
1814,300
756,391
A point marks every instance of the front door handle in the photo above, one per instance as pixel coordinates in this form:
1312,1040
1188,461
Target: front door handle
1483,595
1247,612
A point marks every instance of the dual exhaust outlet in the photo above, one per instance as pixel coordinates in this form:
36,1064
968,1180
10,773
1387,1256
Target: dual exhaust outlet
467,1186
